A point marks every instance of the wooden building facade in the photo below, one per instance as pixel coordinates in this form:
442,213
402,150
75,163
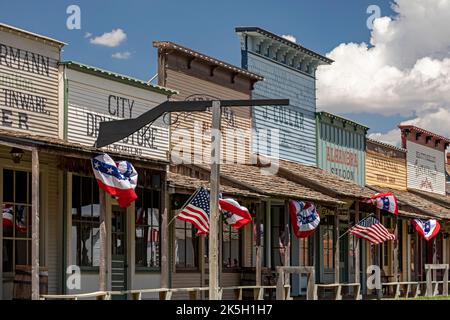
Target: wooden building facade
287,132
341,147
29,103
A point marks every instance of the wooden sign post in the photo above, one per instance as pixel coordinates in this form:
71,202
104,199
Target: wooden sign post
214,204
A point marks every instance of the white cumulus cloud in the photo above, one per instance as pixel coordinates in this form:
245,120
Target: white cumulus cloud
404,70
87,35
110,39
289,37
122,55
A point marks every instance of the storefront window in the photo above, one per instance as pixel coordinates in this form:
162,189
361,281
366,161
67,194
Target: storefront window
327,246
148,228
279,237
16,219
230,247
85,222
186,245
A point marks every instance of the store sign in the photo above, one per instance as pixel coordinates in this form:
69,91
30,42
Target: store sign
426,168
295,124
28,85
342,162
88,105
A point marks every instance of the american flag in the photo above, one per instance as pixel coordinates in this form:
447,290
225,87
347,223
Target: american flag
197,211
372,230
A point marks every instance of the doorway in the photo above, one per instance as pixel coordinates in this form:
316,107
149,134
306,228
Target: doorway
119,263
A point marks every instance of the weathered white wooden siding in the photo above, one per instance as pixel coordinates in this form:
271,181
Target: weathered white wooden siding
425,168
93,99
28,94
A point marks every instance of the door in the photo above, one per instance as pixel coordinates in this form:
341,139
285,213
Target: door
344,251
118,250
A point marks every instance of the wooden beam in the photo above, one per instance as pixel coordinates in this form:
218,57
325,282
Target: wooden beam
16,145
336,247
408,254
35,224
258,261
395,249
357,247
377,250
103,247
165,248
287,240
214,204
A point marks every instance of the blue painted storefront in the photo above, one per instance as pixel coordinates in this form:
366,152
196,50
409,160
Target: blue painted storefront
296,123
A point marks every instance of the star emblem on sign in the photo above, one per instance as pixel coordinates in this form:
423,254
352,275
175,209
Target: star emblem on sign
110,170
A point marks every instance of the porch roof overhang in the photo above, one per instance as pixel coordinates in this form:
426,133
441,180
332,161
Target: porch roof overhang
323,181
415,205
272,185
63,148
186,184
442,200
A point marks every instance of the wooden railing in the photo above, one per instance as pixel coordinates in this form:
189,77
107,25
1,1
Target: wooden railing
99,295
164,293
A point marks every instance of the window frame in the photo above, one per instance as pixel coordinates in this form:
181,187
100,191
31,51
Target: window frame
195,246
232,231
138,267
28,205
79,220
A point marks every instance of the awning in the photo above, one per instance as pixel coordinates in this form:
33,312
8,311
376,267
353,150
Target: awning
253,178
64,148
183,183
414,204
322,180
442,200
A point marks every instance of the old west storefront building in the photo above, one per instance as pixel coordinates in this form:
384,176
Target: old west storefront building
289,73
134,252
51,113
245,259
29,194
386,171
341,147
426,178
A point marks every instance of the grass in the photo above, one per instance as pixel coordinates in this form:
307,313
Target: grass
429,298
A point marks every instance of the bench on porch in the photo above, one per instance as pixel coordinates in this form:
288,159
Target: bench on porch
337,287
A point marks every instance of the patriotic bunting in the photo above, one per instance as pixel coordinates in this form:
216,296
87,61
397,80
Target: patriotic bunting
304,217
427,229
117,179
385,201
234,214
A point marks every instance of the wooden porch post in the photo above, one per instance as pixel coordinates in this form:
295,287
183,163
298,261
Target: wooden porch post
103,248
258,262
377,250
287,240
395,250
336,247
408,254
214,228
35,224
444,250
165,249
357,248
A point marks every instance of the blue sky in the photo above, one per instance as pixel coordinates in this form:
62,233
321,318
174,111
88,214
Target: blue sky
206,26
